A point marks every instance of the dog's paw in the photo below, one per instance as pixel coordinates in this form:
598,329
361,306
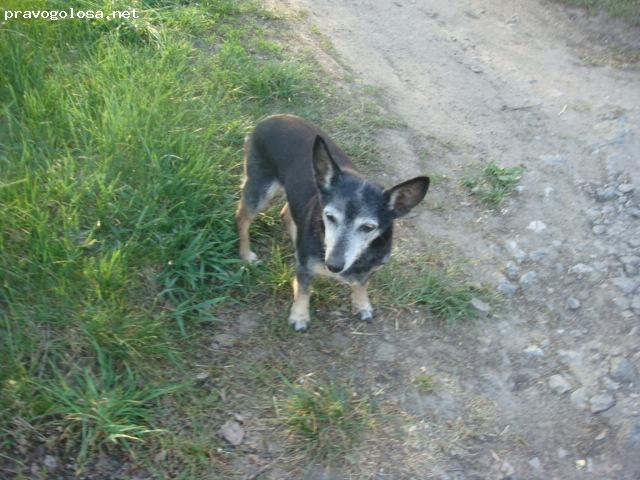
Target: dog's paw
300,323
249,256
365,315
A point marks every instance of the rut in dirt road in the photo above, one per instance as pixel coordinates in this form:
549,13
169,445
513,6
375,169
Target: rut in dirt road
557,369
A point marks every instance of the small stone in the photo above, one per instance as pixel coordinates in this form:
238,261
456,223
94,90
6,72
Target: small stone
599,230
534,351
631,264
562,453
516,251
50,462
482,308
232,432
537,226
602,402
573,303
512,271
606,194
627,285
539,255
508,289
559,384
202,376
579,398
634,212
622,370
528,279
535,463
634,242
626,188
592,214
581,269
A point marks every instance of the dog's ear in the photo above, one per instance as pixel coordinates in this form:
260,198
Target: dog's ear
406,195
326,170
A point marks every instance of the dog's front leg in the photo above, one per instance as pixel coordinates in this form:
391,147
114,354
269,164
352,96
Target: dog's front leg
360,301
299,316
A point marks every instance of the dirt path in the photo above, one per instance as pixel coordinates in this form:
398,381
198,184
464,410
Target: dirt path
549,387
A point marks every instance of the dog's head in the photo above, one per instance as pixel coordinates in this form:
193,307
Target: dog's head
356,211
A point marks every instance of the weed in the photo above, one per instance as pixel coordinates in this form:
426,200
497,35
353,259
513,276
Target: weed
102,408
444,294
494,184
628,10
424,382
328,417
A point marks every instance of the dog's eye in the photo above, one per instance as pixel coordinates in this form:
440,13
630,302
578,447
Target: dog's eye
330,217
367,227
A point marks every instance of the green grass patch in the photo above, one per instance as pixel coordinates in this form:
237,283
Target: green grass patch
424,382
327,416
628,10
423,282
120,160
494,184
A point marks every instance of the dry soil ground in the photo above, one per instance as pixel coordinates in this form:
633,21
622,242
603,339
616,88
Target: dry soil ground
549,386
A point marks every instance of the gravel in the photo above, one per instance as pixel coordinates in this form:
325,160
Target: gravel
579,398
602,402
528,279
559,384
508,289
481,308
573,303
626,284
622,370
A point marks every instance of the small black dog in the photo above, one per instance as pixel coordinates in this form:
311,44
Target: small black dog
341,223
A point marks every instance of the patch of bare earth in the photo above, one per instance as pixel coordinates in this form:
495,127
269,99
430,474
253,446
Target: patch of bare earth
547,387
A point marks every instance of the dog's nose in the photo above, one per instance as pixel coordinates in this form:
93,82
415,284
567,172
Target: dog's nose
335,268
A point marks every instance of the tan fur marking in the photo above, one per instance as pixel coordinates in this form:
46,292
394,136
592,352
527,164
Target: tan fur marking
299,316
287,219
243,222
360,299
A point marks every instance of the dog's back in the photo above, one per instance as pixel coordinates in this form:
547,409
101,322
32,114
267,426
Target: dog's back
279,155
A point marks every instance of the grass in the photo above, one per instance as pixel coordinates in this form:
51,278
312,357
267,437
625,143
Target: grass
628,10
425,283
121,144
494,184
327,416
424,382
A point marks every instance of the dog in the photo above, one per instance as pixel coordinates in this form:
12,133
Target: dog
341,224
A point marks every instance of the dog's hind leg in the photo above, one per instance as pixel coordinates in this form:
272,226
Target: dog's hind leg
244,217
258,189
360,301
287,219
299,316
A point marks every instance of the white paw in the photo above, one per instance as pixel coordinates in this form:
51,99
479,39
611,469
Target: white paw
299,322
365,314
249,256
